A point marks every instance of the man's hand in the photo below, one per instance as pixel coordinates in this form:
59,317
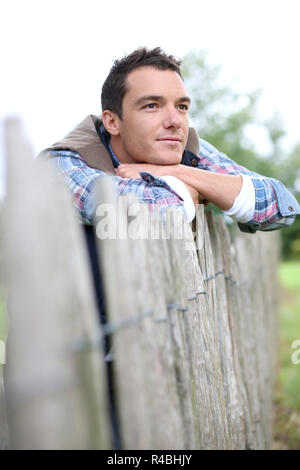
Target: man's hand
215,187
197,198
132,170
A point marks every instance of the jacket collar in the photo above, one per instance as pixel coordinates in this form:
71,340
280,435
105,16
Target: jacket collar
86,141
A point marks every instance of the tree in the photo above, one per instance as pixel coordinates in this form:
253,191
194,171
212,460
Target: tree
222,116
289,168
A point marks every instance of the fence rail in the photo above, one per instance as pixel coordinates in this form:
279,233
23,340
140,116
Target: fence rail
192,321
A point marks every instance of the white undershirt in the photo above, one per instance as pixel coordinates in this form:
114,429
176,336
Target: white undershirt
241,211
180,188
244,204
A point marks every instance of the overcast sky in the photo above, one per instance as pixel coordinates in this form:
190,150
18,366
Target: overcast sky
55,54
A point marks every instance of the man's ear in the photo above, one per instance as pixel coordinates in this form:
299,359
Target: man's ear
111,122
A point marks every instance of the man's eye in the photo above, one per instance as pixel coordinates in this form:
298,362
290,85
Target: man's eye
183,107
151,105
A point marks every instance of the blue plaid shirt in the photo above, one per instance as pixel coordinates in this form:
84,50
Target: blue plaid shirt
275,206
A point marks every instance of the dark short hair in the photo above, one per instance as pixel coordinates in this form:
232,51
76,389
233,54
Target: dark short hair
115,85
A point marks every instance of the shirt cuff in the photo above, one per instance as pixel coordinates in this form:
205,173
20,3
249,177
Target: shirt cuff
179,187
244,204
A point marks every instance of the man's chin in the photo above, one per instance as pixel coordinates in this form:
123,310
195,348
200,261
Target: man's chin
167,159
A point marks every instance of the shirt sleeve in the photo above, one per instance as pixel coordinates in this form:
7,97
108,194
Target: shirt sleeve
82,179
244,204
275,207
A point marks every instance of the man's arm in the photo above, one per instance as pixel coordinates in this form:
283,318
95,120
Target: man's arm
273,205
214,187
82,179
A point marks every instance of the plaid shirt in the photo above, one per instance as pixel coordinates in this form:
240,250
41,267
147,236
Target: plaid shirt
273,202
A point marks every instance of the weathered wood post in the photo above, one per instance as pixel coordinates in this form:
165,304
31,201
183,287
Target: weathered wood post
54,381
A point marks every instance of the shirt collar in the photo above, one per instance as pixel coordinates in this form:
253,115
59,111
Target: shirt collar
190,159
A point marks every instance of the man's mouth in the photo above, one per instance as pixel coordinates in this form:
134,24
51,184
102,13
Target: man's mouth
170,139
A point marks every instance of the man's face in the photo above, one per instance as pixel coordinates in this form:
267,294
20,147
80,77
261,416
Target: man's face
154,125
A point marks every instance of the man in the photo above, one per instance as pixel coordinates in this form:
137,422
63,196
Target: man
144,140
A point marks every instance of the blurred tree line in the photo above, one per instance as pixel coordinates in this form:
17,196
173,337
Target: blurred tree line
223,118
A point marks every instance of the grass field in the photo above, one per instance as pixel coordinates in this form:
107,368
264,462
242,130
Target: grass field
287,403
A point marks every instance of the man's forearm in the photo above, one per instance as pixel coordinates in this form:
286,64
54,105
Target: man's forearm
215,187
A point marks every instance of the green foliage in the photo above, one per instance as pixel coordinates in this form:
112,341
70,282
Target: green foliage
222,117
220,114
289,274
291,241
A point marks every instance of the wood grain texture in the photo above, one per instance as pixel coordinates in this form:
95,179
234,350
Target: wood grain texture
202,307
55,386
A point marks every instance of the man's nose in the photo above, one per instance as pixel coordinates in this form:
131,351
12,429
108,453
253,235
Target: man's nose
172,118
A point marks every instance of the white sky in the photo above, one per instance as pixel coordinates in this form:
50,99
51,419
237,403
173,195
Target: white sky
56,54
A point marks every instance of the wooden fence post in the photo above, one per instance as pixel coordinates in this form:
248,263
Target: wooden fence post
54,380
